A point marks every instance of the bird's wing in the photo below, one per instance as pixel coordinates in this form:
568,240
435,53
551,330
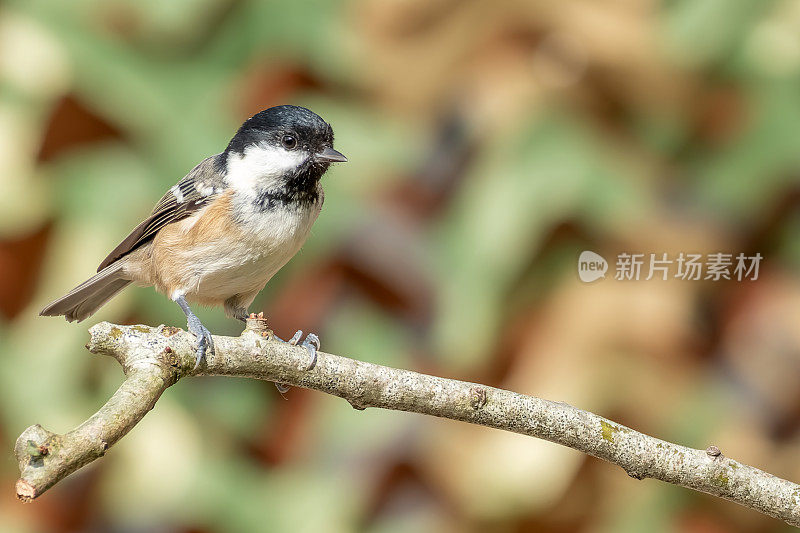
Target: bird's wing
196,190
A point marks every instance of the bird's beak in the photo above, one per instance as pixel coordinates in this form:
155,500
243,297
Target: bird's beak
329,155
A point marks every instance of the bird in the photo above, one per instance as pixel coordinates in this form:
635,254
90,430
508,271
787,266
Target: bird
219,234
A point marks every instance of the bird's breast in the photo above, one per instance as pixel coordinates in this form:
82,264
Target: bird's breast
230,247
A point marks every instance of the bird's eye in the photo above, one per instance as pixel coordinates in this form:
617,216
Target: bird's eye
289,142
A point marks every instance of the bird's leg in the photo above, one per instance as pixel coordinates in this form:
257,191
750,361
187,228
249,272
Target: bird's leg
204,340
311,343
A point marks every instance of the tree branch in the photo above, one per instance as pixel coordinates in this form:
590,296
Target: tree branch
156,358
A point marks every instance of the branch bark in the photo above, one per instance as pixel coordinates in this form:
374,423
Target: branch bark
156,358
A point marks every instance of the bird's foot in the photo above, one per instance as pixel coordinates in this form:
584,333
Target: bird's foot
204,340
311,343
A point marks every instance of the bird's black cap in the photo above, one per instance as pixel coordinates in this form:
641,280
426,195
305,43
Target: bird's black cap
270,125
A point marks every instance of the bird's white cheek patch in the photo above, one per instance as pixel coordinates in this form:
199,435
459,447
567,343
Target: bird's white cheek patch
262,167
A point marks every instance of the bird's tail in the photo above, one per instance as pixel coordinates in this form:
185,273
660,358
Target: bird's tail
85,299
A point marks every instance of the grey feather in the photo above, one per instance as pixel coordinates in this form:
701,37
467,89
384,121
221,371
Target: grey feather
199,187
202,184
85,299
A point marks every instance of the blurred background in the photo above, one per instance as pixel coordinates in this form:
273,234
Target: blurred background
489,143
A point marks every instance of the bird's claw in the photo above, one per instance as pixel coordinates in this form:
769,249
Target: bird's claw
311,343
204,339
